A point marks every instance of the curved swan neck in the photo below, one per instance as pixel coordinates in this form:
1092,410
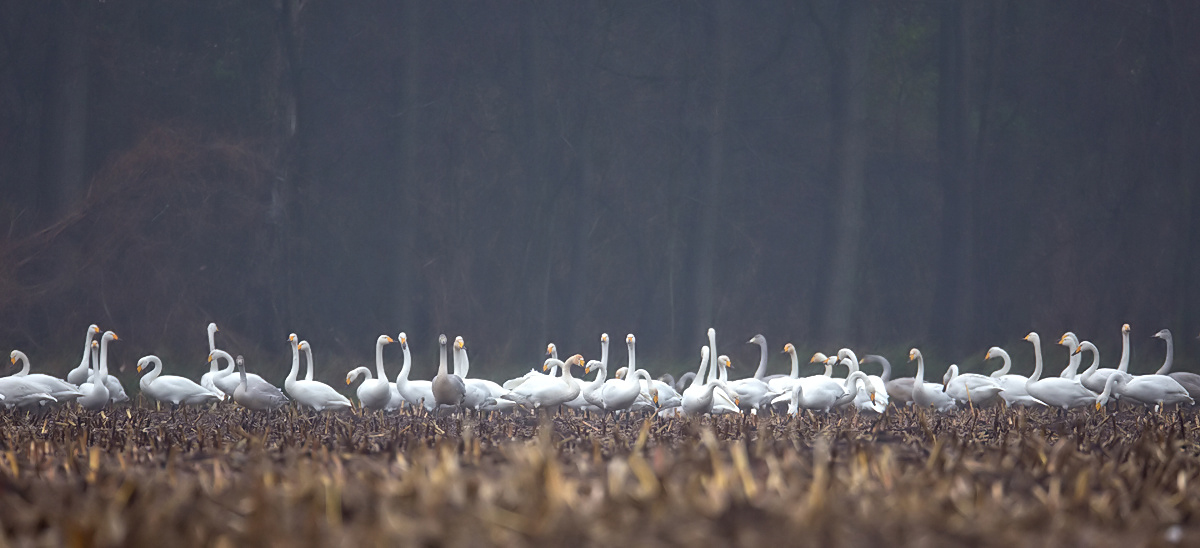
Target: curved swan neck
242,373
1037,358
360,370
295,362
1089,347
212,341
795,363
404,369
1166,366
1004,369
883,362
1112,381
24,363
378,360
920,368
762,357
699,378
155,370
87,348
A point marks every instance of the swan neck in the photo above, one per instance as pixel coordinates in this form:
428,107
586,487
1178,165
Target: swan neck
795,364
604,355
703,368
920,369
24,365
1087,373
762,360
295,363
712,356
442,360
102,369
1037,360
1123,365
402,378
632,359
1166,366
242,374
87,350
308,373
378,361
466,363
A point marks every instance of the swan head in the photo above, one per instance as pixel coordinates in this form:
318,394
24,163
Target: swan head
292,338
1033,337
442,339
604,338
577,359
1125,328
351,376
988,355
94,329
788,348
620,374
403,338
913,354
384,339
304,346
654,395
212,327
110,336
630,339
757,339
141,364
12,356
1078,350
1163,334
550,349
725,361
951,372
818,357
459,343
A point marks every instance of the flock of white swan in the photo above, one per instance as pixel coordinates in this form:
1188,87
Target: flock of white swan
707,391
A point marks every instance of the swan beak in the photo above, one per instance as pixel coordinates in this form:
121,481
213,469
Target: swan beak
139,368
872,394
95,329
544,367
1097,406
390,340
347,382
13,359
1077,351
737,401
115,337
655,398
860,360
1026,337
987,356
210,358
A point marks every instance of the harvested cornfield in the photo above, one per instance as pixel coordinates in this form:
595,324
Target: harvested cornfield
226,476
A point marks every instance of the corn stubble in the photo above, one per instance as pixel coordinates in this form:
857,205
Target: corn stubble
226,476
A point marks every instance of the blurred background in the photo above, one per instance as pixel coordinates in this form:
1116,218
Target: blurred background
873,174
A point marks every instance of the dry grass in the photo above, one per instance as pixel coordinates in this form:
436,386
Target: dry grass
136,476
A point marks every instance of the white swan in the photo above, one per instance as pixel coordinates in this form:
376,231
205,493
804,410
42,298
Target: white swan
784,384
116,392
481,394
1055,391
206,380
171,389
826,395
1150,390
1014,385
373,393
971,388
256,396
61,390
314,394
1096,381
927,394
418,393
545,390
95,393
1165,335
79,375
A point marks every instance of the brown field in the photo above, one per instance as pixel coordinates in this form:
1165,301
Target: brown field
225,476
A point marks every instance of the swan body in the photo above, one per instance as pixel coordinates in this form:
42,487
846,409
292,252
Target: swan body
374,393
1014,385
418,393
79,375
317,395
971,388
898,390
927,394
699,397
61,390
1070,341
825,395
256,395
1156,389
545,390
171,389
95,393
1055,391
753,392
116,392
